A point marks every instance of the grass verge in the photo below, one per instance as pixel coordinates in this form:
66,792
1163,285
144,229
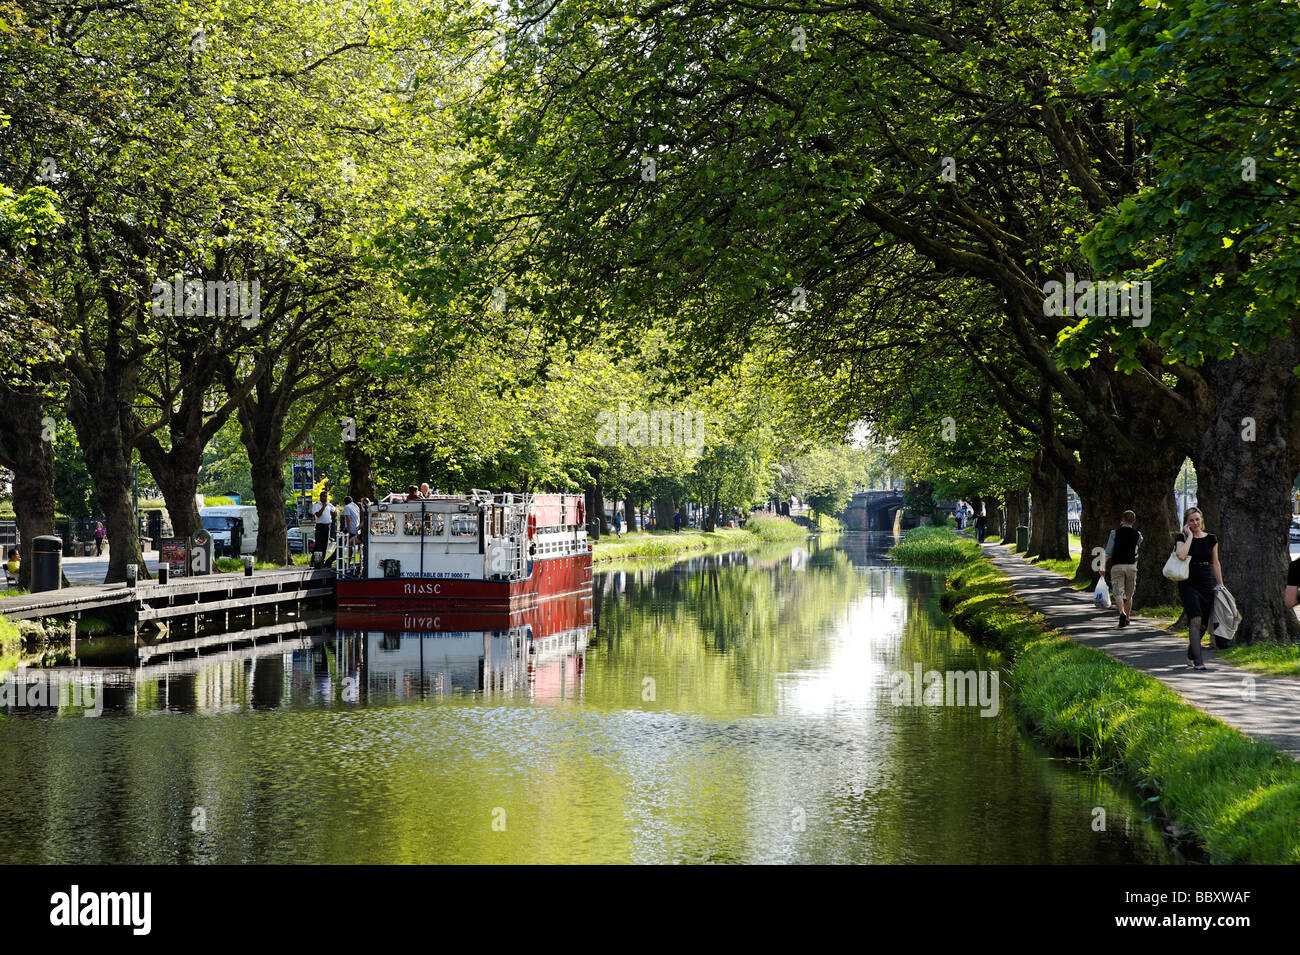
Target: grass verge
759,529
1237,798
1271,659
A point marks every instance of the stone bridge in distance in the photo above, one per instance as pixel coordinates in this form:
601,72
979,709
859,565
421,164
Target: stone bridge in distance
876,511
882,511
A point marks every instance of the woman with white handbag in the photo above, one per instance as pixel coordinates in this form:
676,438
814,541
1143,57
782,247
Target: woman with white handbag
1198,552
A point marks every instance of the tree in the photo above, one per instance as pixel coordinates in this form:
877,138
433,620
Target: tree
1213,230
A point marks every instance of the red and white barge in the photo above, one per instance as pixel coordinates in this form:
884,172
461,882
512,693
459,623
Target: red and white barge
468,554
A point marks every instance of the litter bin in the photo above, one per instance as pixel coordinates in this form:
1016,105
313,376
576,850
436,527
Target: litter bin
1022,539
593,530
47,563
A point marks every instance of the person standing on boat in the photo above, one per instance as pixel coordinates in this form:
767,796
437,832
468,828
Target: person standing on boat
412,493
324,514
352,526
425,492
1204,579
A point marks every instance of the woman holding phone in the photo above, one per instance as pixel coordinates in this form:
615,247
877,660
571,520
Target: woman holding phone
1205,576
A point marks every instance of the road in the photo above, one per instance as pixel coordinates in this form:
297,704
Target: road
92,570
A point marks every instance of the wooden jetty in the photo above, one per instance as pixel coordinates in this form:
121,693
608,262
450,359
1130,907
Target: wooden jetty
208,599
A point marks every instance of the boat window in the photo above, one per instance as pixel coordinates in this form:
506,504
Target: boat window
383,525
464,525
432,524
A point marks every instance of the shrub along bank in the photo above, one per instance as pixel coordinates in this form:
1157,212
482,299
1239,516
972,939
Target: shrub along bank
759,529
934,547
1238,798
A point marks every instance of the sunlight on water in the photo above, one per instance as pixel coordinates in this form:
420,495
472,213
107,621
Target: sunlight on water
724,709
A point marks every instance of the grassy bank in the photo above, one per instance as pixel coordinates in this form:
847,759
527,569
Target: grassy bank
235,565
934,547
759,529
11,645
1237,798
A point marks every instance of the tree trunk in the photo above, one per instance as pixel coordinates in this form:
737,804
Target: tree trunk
1056,543
664,507
629,514
261,431
1250,455
31,460
101,423
1048,526
1014,516
178,485
361,471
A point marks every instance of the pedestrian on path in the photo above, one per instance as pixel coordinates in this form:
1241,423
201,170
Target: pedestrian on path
99,538
618,524
981,525
1121,554
677,520
1204,579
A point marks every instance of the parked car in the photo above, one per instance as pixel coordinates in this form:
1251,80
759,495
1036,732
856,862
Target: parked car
299,540
1295,531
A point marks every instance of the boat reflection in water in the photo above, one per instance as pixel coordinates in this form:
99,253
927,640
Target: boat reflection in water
536,654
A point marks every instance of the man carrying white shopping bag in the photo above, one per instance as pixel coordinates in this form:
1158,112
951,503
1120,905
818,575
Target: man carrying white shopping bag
1121,556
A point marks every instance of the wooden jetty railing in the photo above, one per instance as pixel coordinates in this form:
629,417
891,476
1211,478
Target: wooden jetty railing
185,598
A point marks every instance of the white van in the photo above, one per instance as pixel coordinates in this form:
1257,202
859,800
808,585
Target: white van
221,519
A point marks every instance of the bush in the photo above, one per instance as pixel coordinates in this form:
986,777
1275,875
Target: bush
773,527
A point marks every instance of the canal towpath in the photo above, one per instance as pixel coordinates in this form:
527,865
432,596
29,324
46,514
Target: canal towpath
1262,707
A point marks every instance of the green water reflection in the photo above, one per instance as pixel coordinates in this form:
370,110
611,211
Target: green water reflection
735,708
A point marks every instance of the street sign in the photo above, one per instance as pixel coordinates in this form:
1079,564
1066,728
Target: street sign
304,470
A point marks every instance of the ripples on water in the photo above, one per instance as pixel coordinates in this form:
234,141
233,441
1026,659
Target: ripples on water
729,709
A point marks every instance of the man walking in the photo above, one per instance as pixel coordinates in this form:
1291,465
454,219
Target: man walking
677,520
324,514
1121,556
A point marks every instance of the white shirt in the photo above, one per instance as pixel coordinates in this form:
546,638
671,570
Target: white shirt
352,516
325,514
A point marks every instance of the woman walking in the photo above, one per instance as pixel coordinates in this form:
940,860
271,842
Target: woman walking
1204,578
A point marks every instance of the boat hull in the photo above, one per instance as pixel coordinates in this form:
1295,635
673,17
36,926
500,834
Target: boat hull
556,577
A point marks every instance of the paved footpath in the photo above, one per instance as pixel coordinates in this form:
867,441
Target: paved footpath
1222,691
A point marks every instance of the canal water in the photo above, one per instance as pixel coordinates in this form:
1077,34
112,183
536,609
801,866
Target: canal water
748,707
